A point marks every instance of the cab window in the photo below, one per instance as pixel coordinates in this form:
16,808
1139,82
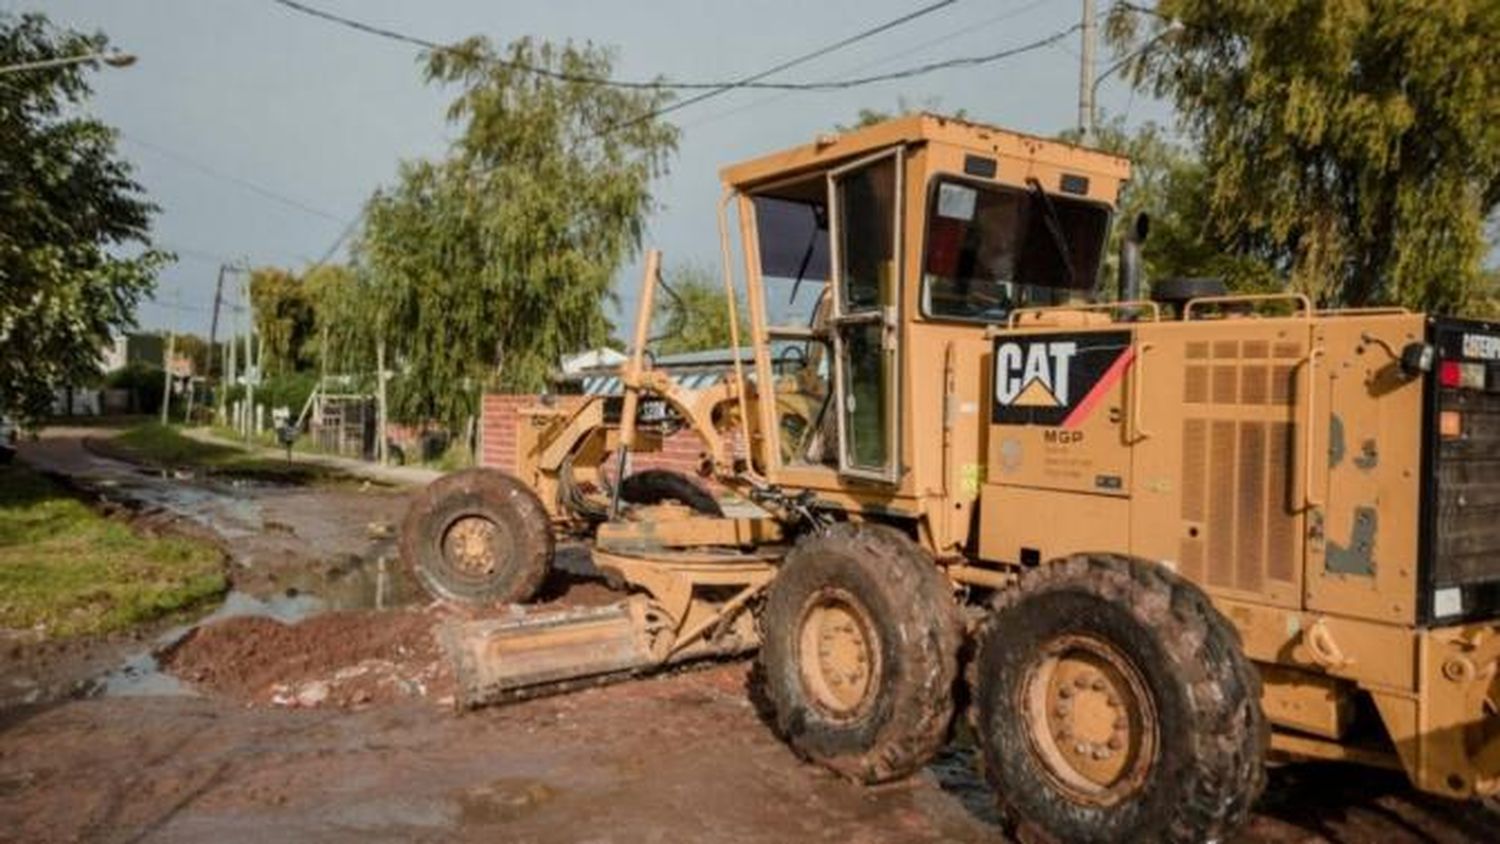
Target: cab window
991,249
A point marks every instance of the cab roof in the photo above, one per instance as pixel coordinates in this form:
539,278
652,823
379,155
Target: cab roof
923,128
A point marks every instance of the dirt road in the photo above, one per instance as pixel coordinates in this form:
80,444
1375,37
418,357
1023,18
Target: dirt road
339,728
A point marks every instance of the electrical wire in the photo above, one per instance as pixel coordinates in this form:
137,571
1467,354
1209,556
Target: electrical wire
206,170
978,26
712,87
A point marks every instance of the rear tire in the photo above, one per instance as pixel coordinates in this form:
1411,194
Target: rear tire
860,652
1112,702
655,486
479,538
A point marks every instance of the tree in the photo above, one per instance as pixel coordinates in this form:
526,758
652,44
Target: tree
283,318
696,312
328,289
870,116
75,252
1169,184
1353,145
481,269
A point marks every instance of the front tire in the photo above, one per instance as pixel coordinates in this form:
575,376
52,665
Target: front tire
478,538
1112,702
860,652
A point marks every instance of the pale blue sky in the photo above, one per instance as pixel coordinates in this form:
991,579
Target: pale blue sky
320,115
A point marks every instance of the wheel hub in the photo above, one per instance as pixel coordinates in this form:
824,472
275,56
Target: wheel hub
1091,721
839,656
472,545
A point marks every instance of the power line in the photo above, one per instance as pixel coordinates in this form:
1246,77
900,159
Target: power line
651,115
978,26
227,177
655,84
786,65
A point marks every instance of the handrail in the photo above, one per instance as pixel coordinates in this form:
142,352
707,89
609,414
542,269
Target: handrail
1391,310
1296,298
1308,499
742,401
1137,411
1155,309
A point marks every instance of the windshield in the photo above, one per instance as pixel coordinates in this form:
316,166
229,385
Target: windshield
793,245
990,250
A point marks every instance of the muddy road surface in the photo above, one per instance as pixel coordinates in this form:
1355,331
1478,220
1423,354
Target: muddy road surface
300,711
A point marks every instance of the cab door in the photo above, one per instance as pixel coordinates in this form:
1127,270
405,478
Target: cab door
865,228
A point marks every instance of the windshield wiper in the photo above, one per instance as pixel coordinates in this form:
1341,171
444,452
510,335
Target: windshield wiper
1054,228
812,244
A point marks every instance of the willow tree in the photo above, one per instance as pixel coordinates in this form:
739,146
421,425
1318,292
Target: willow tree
479,270
1352,146
693,315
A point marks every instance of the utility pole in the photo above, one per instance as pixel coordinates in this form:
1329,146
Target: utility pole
252,371
166,369
1086,74
380,398
213,339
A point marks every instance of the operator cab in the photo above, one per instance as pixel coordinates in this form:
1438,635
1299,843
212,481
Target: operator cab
866,252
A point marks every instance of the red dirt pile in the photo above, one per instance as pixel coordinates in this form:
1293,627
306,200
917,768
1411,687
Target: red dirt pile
340,659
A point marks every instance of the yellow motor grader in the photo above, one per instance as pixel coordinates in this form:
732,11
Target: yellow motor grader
1177,534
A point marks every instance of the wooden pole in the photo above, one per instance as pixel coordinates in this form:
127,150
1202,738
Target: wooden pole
166,371
380,408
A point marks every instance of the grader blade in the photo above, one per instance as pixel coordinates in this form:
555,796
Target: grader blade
535,653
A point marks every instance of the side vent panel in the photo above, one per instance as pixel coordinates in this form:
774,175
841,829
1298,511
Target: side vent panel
1240,530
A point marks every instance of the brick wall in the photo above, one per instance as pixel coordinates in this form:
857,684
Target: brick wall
681,452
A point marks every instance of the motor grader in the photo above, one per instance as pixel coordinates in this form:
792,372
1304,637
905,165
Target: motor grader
1168,538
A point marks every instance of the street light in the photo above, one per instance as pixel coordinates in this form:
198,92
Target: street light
1171,28
113,58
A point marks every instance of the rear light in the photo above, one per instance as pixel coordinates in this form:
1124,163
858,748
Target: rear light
1449,374
1473,376
1450,424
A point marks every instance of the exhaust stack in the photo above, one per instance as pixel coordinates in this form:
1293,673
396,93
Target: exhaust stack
1130,258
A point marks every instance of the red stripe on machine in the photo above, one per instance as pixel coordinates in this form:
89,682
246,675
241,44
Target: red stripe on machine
1111,376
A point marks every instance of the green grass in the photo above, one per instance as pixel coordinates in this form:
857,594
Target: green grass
66,567
165,446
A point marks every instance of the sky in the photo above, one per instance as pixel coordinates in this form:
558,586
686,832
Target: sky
260,131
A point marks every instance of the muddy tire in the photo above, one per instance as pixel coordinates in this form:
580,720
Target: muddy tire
1112,702
479,538
655,486
860,652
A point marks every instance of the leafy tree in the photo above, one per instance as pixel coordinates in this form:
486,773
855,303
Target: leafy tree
195,349
75,252
328,289
870,116
481,269
1354,145
696,312
283,318
1170,185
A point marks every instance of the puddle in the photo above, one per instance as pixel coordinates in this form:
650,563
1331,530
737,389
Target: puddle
141,676
298,595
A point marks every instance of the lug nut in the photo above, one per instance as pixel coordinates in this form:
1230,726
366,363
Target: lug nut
1116,743
1065,692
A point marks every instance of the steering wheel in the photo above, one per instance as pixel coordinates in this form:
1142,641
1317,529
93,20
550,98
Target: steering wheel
792,354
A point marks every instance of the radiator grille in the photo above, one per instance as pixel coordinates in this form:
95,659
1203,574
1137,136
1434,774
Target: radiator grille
1236,464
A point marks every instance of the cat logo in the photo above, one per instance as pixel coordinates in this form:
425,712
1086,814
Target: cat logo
1056,380
1035,375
